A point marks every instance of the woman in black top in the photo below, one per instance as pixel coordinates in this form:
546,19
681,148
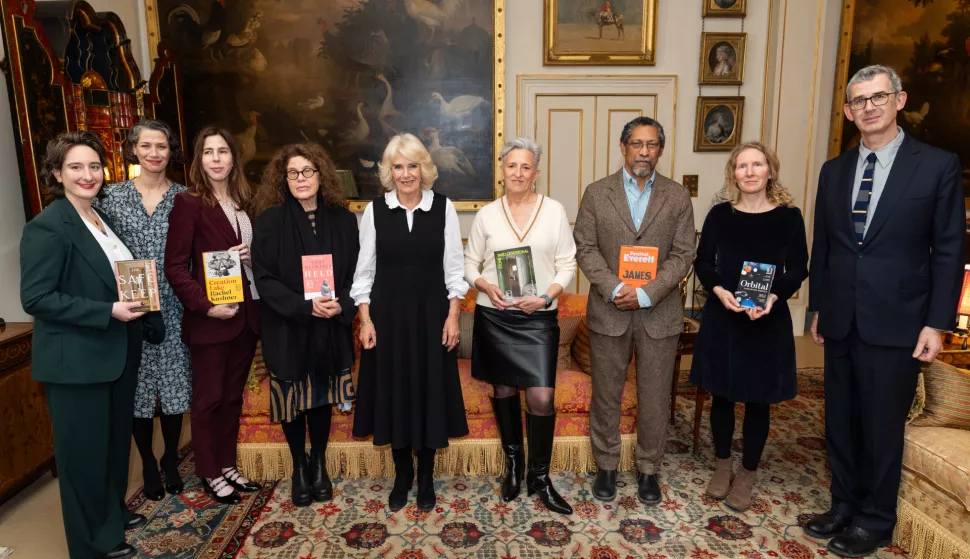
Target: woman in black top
747,354
307,333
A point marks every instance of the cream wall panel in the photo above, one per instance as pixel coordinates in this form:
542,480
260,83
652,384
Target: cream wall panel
614,111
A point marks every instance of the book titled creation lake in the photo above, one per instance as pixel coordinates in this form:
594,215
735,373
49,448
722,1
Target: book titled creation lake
223,276
754,286
516,273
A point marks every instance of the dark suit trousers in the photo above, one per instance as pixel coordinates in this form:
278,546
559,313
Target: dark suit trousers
868,393
92,441
219,373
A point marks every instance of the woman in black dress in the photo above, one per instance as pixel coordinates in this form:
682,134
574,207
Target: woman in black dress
747,354
408,286
307,337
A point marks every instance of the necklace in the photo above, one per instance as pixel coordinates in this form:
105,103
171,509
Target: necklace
506,211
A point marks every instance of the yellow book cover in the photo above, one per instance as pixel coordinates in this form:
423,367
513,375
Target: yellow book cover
638,265
138,282
223,276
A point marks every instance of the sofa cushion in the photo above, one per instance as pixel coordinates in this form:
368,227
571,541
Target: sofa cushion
947,397
941,456
580,347
574,391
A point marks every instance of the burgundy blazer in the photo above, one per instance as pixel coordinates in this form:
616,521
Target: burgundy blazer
195,227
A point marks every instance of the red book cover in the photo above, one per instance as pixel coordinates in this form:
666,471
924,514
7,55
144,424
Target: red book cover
318,276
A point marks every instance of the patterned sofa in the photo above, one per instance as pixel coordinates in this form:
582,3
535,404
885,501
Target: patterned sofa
263,453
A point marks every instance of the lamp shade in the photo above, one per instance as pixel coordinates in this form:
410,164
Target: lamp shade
964,308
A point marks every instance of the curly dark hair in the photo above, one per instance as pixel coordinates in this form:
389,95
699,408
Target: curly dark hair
57,152
176,156
275,188
238,187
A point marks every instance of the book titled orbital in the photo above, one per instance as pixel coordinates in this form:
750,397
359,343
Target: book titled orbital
755,285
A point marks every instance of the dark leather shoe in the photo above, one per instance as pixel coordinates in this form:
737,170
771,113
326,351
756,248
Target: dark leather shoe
827,525
136,521
173,481
230,499
320,484
648,489
152,488
426,495
300,486
123,551
857,542
233,476
604,486
403,479
541,431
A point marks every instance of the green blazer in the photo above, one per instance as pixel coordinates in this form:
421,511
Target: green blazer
68,285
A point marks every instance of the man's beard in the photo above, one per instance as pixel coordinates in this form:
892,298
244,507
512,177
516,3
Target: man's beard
642,172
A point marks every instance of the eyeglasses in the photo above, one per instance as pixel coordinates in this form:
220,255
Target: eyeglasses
878,100
293,174
638,145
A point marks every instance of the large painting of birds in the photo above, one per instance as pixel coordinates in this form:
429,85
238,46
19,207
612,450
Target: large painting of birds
348,74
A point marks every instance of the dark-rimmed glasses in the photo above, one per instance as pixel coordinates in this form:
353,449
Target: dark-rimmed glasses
878,100
293,174
637,145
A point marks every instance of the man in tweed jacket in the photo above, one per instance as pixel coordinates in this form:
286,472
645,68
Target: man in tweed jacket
635,206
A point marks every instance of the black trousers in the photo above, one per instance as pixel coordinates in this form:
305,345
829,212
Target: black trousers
868,393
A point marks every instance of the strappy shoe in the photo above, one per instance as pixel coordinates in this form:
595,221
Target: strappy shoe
239,481
219,484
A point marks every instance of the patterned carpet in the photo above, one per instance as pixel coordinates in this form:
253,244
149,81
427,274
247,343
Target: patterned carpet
471,520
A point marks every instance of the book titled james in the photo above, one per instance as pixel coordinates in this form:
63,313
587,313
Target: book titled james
317,276
138,282
223,276
516,273
638,265
755,285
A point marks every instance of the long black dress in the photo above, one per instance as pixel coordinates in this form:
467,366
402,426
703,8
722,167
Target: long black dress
408,390
735,357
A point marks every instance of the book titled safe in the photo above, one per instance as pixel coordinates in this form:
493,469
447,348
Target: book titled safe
318,276
516,273
138,283
223,276
638,265
755,285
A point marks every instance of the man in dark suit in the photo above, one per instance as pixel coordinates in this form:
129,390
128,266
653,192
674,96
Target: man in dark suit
885,279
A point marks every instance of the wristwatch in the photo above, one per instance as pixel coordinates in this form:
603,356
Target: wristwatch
548,300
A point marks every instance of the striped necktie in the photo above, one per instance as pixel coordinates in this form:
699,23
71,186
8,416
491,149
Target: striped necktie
860,210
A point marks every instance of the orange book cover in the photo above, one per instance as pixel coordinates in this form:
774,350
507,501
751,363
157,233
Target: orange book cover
638,265
317,276
138,282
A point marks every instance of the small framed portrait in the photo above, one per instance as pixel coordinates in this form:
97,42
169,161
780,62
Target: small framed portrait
718,124
722,58
725,8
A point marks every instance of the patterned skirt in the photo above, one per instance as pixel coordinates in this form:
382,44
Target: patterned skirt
289,398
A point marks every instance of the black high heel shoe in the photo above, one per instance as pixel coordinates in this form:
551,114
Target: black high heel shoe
233,476
153,481
173,481
218,484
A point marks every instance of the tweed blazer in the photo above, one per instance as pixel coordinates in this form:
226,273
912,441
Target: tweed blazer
604,224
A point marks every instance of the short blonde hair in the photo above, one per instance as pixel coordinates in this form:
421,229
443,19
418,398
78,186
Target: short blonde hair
411,148
777,194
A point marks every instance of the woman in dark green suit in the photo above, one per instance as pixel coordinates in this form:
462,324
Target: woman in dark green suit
87,346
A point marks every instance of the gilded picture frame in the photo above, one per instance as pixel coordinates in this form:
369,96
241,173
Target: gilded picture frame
725,8
582,32
722,58
719,122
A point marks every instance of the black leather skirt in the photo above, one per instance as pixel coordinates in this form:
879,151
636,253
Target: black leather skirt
514,348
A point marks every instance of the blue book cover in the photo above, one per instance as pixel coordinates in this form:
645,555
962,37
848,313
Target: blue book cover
755,285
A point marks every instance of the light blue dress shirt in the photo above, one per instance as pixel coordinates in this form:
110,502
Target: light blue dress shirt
884,164
638,201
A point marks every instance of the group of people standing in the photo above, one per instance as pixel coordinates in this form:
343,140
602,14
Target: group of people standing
403,272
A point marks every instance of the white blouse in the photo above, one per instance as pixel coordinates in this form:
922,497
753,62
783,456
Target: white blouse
112,246
367,258
548,234
244,228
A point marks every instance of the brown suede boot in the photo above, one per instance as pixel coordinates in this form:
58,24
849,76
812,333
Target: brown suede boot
739,498
720,483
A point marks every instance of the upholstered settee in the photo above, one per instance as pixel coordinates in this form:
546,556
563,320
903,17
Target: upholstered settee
934,493
263,453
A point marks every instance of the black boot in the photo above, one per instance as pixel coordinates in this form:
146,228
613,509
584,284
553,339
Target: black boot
171,432
541,430
320,483
300,493
426,497
508,415
404,478
141,430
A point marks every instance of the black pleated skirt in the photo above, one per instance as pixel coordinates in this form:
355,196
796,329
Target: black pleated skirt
514,348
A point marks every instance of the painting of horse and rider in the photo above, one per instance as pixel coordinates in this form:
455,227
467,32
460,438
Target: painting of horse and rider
600,31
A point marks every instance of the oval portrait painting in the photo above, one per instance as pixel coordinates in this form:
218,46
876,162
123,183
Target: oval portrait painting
722,59
719,124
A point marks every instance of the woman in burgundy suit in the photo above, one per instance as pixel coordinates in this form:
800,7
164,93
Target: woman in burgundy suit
214,216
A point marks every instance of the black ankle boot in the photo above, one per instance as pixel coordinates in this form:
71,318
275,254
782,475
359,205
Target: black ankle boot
508,415
173,480
403,480
153,481
320,484
426,497
540,432
300,493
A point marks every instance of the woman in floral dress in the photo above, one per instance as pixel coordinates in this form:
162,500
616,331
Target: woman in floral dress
139,209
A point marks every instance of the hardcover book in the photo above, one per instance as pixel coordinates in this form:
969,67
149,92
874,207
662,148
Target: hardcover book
516,273
223,276
138,282
755,285
318,276
638,265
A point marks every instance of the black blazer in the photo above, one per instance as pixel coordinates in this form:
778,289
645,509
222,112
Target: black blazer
293,339
907,273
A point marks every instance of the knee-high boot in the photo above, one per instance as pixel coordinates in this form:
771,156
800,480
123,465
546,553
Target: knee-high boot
508,415
541,429
404,478
426,497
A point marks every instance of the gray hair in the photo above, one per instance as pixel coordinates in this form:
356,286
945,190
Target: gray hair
525,143
643,121
176,157
870,72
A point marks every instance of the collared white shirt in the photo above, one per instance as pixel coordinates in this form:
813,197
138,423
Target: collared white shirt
884,164
454,258
112,246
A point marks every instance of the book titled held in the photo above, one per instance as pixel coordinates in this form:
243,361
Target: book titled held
138,283
516,273
223,276
638,265
755,285
317,276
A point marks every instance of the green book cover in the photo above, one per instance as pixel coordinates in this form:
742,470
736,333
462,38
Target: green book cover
516,273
